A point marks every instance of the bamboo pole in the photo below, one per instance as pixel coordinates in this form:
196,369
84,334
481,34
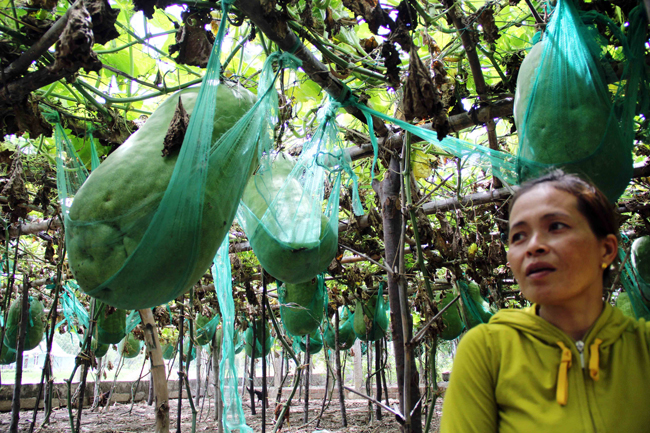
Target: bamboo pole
307,377
158,374
339,376
20,347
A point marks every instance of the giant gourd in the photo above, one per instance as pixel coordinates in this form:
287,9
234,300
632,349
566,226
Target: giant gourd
111,325
371,319
111,212
347,337
287,261
641,257
302,307
575,133
451,319
35,324
129,347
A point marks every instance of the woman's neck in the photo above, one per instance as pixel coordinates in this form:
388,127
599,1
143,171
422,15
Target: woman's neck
575,321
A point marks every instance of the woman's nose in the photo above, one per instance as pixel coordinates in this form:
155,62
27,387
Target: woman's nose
536,246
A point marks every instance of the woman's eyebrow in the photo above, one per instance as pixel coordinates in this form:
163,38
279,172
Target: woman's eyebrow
547,216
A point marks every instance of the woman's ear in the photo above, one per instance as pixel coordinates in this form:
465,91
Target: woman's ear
610,249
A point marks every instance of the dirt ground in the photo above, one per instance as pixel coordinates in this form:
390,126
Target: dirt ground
121,418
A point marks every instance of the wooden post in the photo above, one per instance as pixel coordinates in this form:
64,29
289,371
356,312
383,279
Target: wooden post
20,347
339,376
265,324
180,366
378,351
218,402
158,376
198,360
252,374
307,377
358,366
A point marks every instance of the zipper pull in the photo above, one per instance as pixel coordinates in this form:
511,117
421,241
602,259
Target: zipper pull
580,345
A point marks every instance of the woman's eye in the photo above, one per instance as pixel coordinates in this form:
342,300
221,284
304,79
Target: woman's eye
557,225
516,237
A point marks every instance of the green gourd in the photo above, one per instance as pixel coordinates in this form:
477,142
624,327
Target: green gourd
451,319
99,349
641,257
111,325
623,303
7,355
129,347
35,324
366,326
204,333
261,332
302,307
347,337
112,210
292,263
168,351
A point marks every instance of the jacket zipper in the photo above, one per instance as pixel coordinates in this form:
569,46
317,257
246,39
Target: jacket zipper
580,345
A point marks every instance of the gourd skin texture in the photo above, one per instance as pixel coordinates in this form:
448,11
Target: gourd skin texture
111,328
641,257
482,306
364,316
577,137
623,303
451,319
288,262
7,355
260,332
129,346
168,351
99,349
302,309
35,324
112,210
203,334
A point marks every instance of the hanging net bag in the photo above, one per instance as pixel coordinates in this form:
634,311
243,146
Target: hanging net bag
315,343
233,414
347,337
111,324
206,328
35,324
475,307
301,305
634,277
371,318
129,347
568,111
144,228
452,321
282,207
253,346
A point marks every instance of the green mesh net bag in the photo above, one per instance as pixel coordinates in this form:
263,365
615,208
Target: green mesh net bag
253,341
111,324
301,305
129,347
637,290
347,337
451,318
476,309
7,355
35,324
233,414
315,343
144,228
282,207
371,319
568,111
206,328
99,349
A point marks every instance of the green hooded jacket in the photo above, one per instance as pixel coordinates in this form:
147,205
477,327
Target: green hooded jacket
519,373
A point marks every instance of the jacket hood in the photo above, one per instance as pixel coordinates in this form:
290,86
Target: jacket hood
609,326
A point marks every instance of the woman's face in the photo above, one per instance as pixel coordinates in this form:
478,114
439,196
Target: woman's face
554,254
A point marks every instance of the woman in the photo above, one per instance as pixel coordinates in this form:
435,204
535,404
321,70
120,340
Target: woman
570,362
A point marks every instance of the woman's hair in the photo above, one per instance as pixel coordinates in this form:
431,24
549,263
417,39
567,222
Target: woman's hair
592,203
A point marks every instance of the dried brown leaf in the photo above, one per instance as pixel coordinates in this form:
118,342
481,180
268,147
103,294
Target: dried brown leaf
176,131
103,18
74,47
